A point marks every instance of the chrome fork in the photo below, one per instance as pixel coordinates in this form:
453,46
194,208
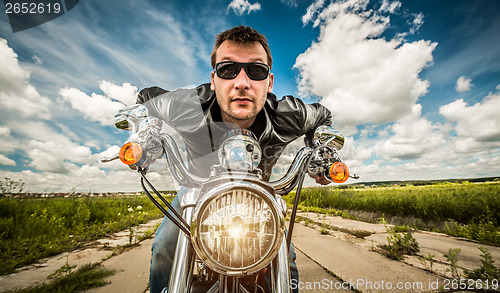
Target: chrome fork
182,268
280,270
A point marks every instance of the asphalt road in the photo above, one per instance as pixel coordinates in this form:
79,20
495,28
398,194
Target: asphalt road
133,269
314,278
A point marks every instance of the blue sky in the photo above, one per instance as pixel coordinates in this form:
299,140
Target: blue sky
414,85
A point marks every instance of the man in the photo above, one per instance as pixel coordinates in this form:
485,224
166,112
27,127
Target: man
239,96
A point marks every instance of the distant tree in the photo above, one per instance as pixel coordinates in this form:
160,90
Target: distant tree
10,186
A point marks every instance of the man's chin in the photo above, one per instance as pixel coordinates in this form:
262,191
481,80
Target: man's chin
242,117
242,114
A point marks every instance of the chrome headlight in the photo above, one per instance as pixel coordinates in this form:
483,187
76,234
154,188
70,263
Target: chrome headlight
239,151
237,228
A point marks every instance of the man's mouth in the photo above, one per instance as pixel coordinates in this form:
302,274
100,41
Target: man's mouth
242,100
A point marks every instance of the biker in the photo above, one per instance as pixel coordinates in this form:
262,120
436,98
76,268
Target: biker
239,95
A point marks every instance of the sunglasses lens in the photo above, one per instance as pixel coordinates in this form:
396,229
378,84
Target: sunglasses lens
257,71
228,70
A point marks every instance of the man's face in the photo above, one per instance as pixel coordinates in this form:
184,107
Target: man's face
241,98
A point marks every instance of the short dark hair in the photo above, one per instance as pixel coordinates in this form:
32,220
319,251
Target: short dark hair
243,35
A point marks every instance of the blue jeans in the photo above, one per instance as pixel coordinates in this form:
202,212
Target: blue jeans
163,251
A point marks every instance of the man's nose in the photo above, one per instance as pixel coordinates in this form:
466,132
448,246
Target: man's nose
242,81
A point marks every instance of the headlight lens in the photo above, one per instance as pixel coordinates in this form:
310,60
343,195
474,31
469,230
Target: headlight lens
237,228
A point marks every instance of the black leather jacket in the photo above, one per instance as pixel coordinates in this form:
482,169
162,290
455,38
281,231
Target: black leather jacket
195,115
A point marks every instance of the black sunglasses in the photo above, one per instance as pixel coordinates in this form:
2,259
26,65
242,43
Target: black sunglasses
231,69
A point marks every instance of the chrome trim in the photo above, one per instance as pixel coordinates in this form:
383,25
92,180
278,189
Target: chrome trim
282,204
129,117
146,134
182,267
239,150
110,158
280,271
214,288
190,198
224,286
279,232
326,135
243,289
290,175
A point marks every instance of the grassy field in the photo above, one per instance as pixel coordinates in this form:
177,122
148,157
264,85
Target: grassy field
34,228
470,210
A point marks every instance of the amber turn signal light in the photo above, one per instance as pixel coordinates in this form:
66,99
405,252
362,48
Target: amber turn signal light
130,153
339,172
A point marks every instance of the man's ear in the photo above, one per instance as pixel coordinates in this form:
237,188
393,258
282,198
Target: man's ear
271,82
212,83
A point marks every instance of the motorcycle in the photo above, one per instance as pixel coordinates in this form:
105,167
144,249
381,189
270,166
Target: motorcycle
233,222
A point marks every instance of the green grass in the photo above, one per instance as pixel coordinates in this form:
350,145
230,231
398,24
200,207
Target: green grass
400,242
325,228
469,210
35,228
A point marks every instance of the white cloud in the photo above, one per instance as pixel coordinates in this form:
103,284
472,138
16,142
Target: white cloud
37,60
88,178
40,131
9,144
390,7
357,74
4,131
79,179
480,121
46,148
79,53
16,94
240,6
416,148
98,107
413,136
312,10
64,149
463,84
6,161
60,161
417,23
126,93
443,163
58,158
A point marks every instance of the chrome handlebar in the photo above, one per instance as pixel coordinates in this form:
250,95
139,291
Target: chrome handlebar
183,175
146,130
289,177
176,163
110,158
